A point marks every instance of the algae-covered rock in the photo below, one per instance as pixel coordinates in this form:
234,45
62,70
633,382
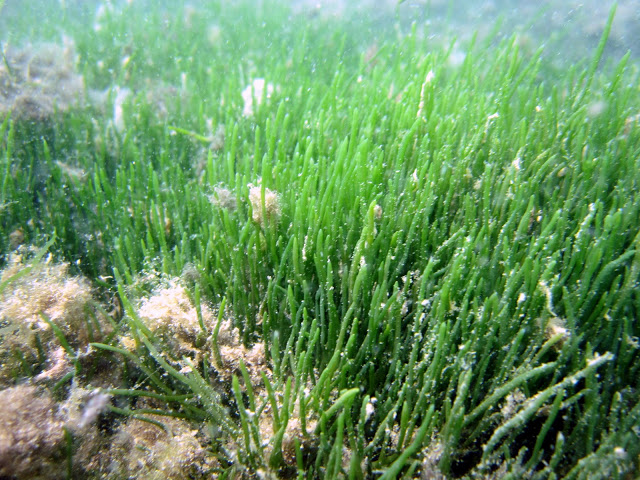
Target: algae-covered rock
31,435
38,300
38,79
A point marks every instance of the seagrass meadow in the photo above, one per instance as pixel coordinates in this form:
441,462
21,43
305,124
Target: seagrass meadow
244,242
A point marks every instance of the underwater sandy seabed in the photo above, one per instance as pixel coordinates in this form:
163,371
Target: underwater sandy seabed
122,381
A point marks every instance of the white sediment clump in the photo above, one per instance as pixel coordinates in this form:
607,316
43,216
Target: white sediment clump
268,212
121,96
259,90
170,314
